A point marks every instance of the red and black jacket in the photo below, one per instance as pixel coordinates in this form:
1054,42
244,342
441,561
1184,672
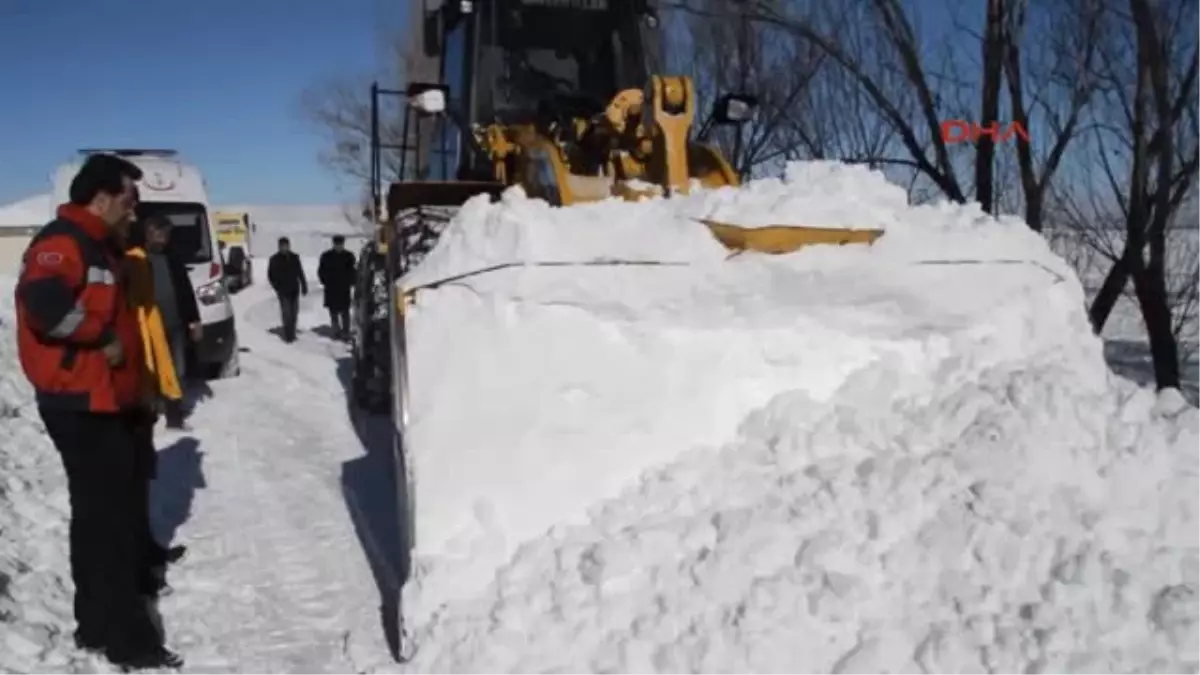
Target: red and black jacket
71,301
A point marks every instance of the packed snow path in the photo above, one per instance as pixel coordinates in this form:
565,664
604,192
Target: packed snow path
275,578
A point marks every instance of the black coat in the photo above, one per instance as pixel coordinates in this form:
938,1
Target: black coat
286,274
336,272
185,295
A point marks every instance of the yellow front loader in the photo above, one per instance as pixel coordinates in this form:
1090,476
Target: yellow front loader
555,96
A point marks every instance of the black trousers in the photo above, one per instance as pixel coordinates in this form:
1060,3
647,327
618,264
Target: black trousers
151,553
289,311
100,457
339,320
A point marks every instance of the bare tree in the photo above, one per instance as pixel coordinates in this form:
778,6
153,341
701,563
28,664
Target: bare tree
1050,84
1145,144
340,108
881,68
894,80
732,54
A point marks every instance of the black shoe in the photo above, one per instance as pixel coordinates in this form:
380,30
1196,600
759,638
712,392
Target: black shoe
153,585
157,555
174,553
161,556
88,643
156,658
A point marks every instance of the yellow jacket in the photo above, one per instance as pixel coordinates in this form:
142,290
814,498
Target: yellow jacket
154,334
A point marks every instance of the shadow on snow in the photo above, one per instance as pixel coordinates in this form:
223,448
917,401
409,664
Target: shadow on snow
179,474
373,498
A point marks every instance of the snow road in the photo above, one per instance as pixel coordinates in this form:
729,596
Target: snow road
286,531
275,579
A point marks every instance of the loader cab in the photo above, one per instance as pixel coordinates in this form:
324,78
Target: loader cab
504,60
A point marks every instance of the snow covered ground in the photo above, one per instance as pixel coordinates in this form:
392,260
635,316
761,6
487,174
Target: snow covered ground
907,457
275,578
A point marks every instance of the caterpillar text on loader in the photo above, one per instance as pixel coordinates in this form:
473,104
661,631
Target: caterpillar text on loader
559,97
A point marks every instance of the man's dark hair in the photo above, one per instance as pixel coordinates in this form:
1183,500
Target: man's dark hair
339,239
284,240
101,173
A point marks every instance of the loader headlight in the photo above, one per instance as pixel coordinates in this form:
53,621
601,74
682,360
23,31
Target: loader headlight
430,101
735,108
212,293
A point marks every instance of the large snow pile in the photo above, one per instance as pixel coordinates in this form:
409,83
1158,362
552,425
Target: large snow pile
902,456
35,605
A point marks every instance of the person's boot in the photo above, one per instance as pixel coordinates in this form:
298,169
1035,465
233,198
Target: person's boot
175,416
161,556
153,658
174,553
153,583
88,643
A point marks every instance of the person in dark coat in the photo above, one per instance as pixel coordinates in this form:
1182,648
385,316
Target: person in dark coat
176,300
164,383
336,272
286,276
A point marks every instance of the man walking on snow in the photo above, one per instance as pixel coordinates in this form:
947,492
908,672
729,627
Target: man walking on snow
286,276
336,272
81,349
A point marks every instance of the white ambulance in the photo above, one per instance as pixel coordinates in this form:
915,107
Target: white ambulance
172,188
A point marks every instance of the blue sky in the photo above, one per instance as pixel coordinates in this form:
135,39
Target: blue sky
218,80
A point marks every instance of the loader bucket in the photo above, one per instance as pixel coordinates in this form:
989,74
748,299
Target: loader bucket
785,238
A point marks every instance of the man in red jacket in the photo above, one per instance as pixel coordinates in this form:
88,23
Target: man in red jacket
80,346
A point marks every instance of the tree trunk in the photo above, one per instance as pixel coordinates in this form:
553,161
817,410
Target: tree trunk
989,109
1112,288
1151,287
1035,212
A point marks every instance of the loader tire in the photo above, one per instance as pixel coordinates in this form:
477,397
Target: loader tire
371,376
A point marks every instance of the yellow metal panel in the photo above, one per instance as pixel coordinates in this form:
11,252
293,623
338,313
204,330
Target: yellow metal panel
785,238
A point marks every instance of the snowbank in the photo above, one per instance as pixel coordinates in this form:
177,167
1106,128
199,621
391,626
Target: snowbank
949,364
1015,518
35,600
28,212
